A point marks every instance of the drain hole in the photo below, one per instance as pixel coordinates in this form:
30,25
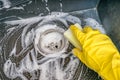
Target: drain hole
56,46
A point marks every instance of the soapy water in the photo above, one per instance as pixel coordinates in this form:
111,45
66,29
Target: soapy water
35,48
6,4
50,66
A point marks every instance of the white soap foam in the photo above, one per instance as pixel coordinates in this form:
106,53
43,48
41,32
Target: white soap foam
61,6
46,5
94,24
6,4
10,29
17,8
47,69
48,39
50,67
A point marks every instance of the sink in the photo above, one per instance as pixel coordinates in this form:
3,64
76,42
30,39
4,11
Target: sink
32,44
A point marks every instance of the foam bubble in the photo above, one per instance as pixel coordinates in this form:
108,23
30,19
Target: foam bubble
94,24
6,4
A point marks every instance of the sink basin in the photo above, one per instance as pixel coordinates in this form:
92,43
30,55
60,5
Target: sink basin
32,46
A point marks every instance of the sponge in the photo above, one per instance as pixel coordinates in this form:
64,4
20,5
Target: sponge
70,36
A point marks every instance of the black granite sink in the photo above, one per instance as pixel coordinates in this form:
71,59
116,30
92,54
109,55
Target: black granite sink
106,12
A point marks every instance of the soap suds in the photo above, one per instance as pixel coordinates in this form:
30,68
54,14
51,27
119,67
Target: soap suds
60,64
50,39
16,8
50,65
46,5
61,6
6,4
94,24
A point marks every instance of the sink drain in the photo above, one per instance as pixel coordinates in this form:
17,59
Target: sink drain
50,41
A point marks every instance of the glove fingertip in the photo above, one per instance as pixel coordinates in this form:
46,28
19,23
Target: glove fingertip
76,31
79,54
74,28
76,52
87,29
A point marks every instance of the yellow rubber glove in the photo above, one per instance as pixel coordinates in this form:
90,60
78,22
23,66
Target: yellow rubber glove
98,52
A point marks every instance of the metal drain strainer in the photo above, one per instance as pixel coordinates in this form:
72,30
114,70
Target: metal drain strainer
50,40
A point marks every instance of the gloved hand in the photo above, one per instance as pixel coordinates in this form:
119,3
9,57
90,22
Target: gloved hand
98,52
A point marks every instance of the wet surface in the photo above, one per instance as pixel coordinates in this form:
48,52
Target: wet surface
34,48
